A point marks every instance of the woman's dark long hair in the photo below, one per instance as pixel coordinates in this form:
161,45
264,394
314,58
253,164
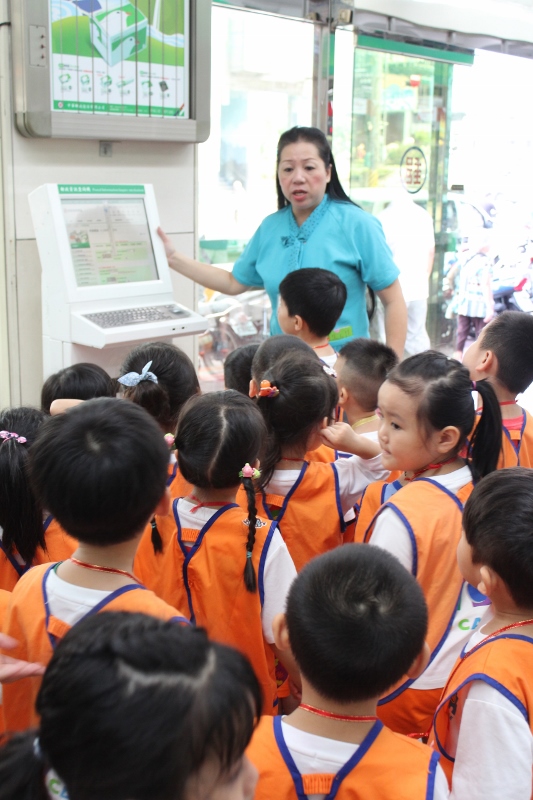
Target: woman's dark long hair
21,513
313,136
131,707
444,390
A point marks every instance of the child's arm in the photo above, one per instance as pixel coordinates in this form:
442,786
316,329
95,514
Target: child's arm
12,669
60,406
341,436
391,535
494,756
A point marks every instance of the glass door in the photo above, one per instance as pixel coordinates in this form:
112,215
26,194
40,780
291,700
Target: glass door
397,135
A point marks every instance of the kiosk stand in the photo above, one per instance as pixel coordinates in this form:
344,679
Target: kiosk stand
106,283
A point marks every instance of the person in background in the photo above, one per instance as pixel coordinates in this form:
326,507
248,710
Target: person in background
78,382
316,223
238,368
355,623
409,232
310,303
475,303
134,707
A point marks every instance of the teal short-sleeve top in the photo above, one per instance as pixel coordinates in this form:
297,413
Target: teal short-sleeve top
338,236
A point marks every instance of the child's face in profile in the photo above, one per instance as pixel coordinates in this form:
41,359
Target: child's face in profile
473,357
467,568
405,444
286,323
238,783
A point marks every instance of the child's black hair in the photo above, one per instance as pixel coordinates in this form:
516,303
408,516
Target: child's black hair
78,382
498,525
306,396
238,368
21,513
218,434
176,381
133,707
510,337
366,366
316,295
357,621
274,348
100,469
444,390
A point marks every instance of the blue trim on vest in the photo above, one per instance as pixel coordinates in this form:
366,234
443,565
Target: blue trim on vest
432,773
516,447
438,485
46,523
189,552
388,490
338,499
350,765
94,610
262,560
181,621
287,496
480,676
20,569
172,474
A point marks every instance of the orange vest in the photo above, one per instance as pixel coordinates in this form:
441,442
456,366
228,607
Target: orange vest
385,766
208,579
504,662
59,546
310,519
29,621
517,446
432,516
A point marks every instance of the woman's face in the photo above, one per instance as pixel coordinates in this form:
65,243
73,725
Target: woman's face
303,177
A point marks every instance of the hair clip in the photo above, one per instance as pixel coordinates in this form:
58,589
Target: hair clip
134,378
329,371
267,390
169,439
7,435
248,554
249,472
474,386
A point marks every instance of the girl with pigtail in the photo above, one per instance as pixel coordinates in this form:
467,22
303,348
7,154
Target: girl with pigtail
427,414
229,567
297,397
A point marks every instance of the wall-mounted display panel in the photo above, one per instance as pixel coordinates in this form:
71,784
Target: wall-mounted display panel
128,69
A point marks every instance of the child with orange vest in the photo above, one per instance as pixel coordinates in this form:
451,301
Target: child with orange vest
483,725
427,412
503,354
25,540
134,707
230,568
355,622
101,470
309,499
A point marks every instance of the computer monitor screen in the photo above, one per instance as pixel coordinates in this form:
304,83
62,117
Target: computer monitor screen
109,241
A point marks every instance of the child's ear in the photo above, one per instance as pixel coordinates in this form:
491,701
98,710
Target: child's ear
324,423
343,396
252,390
488,580
448,439
420,663
281,632
163,507
298,323
487,364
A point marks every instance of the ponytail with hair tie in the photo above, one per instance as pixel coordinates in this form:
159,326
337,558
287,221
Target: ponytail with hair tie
247,475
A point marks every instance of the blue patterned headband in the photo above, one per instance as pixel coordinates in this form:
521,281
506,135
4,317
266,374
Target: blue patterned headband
133,378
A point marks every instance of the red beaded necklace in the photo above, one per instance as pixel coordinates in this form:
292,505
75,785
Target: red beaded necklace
508,403
330,715
419,472
98,568
320,346
286,458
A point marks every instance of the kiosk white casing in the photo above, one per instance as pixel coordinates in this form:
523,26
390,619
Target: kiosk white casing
89,267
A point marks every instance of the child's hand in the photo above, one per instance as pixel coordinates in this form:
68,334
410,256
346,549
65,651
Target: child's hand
11,669
341,436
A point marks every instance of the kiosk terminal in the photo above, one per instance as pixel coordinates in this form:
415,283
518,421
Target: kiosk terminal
106,283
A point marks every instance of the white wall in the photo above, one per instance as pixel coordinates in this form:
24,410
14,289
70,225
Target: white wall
169,167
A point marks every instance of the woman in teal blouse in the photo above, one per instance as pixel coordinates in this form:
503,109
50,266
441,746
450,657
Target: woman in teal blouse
316,225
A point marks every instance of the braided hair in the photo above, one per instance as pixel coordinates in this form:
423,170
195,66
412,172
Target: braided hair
219,433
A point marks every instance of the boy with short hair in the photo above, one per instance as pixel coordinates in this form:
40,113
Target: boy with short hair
311,301
101,470
355,623
483,725
503,354
361,368
238,368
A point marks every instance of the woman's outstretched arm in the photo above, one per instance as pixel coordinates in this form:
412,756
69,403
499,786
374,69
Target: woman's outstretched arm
205,274
395,312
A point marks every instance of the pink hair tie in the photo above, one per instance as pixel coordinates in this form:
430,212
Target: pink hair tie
267,390
169,439
249,472
7,435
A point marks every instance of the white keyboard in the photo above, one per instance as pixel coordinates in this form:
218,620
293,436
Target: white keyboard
135,316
